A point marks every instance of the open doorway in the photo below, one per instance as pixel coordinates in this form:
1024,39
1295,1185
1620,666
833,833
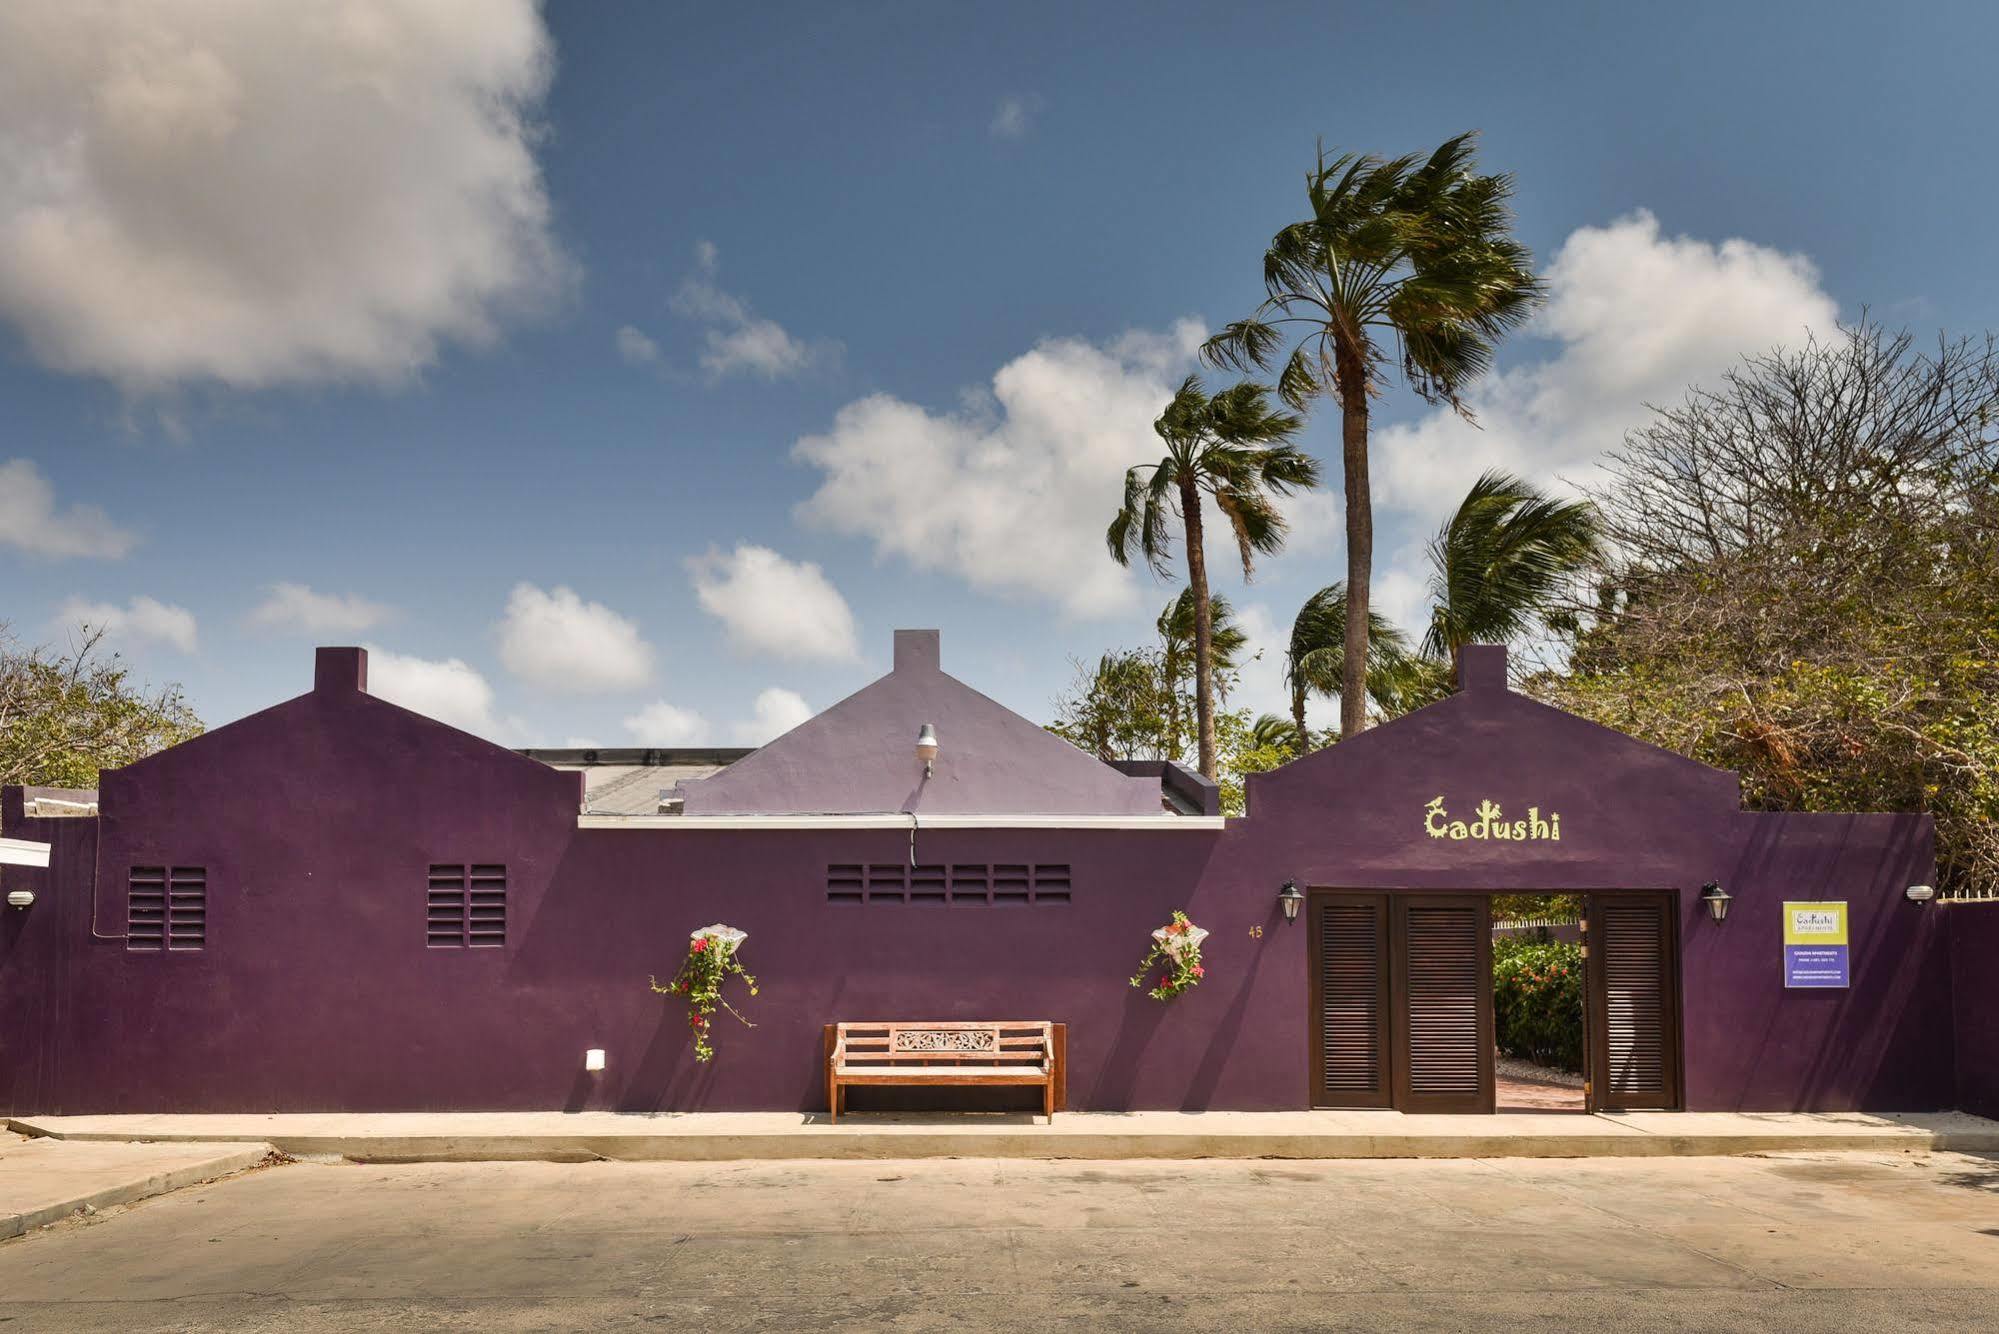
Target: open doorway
1403,997
1538,993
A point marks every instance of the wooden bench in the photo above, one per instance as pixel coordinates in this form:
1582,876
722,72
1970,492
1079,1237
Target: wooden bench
948,1053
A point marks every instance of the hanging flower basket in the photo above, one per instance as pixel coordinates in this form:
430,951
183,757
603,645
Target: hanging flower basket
1177,948
711,959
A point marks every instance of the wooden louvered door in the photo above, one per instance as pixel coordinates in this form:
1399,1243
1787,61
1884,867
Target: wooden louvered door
1633,998
1442,976
1350,1000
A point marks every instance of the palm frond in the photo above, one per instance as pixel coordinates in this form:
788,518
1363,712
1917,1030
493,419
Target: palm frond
1497,560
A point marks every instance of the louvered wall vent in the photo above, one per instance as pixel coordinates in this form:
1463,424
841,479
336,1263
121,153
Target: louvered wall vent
983,883
166,908
467,907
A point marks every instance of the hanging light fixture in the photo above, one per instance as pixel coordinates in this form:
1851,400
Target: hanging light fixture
1716,898
926,748
1291,899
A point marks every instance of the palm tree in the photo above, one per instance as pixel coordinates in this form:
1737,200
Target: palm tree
1415,250
1236,449
1495,563
1315,661
1270,732
1226,642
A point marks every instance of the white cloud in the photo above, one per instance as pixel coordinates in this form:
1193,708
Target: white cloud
557,640
635,348
1260,682
447,690
1011,493
777,711
738,341
30,521
1013,116
772,605
289,606
662,724
1402,594
255,194
141,620
1637,317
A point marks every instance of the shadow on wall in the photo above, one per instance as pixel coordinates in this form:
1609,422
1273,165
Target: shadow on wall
1138,1021
1208,1074
667,1075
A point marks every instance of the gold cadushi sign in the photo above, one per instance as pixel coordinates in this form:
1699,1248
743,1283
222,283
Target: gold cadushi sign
1492,823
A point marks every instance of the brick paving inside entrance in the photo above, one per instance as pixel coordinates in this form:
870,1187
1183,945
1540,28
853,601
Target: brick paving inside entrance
1533,1095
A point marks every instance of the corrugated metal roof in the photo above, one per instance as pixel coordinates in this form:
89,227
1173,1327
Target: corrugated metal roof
44,803
631,781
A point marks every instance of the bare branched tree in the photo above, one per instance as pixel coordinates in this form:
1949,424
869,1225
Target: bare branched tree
1805,583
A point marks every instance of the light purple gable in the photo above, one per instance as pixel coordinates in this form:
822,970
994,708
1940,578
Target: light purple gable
859,758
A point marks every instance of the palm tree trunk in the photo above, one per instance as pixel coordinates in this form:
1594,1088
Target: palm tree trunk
1197,581
1298,717
1169,667
1360,535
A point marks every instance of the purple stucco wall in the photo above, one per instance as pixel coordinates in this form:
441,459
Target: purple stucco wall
318,819
1974,948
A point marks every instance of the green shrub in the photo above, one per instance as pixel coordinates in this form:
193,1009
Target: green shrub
1537,1001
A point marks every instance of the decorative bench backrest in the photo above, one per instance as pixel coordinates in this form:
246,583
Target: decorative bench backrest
957,1043
946,1041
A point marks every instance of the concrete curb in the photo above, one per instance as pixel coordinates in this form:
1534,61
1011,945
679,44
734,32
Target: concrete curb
860,1141
229,1158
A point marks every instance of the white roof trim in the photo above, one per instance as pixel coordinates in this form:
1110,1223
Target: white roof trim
1188,822
23,852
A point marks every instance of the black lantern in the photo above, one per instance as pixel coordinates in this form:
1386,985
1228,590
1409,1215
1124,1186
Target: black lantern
1716,898
1291,899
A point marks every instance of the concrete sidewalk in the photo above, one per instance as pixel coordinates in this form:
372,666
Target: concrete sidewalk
44,1180
572,1137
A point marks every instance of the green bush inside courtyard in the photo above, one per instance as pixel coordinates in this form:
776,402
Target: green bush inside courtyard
1537,1001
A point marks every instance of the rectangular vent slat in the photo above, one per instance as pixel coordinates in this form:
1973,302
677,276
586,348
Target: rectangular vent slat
1351,1003
166,908
1006,884
466,906
1640,1066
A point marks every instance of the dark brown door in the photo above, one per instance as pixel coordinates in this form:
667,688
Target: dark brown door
1442,1015
1634,1003
1350,999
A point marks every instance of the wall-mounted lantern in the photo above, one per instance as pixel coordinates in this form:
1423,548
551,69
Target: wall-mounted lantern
1920,894
20,898
1291,899
926,747
1716,898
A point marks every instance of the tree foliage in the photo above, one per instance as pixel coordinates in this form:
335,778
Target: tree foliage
1232,449
65,715
1499,561
1411,253
1806,585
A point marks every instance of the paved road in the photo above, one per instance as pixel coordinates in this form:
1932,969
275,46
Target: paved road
1808,1241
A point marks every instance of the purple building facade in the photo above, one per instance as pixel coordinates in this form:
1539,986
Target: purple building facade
251,922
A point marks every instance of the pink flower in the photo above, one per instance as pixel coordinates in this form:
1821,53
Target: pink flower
699,945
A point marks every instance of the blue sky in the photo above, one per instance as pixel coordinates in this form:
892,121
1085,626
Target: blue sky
626,373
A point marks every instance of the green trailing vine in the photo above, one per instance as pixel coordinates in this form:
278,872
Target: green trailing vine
1176,946
711,961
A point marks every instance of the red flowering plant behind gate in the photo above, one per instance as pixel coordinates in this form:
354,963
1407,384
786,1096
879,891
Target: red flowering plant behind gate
711,961
1177,946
